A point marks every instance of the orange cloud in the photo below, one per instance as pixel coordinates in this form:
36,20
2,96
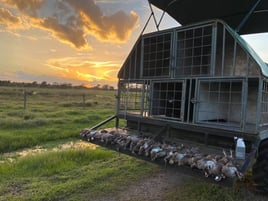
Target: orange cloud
71,21
113,28
89,71
9,20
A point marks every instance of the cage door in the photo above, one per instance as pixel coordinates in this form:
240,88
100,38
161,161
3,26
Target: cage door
220,102
168,99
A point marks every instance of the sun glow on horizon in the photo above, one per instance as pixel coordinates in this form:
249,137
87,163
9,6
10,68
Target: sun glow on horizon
66,41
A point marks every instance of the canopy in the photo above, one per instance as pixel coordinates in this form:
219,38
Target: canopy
245,16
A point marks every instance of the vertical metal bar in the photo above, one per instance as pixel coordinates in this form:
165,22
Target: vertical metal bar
142,99
234,58
130,66
151,98
189,101
196,106
184,52
213,49
176,90
192,52
173,57
166,96
223,51
135,63
259,104
142,58
127,99
218,101
118,98
183,94
244,103
202,48
229,101
147,97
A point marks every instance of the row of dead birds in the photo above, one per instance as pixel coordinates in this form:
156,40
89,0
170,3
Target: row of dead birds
218,166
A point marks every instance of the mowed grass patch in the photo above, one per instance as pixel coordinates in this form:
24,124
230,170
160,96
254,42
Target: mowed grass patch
71,174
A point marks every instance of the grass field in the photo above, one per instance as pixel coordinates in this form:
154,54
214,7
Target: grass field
42,157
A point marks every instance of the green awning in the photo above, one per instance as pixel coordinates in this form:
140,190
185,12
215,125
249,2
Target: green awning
236,13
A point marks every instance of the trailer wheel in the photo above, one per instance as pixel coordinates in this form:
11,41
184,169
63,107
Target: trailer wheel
260,169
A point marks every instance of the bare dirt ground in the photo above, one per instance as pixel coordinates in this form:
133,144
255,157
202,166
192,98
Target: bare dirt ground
152,188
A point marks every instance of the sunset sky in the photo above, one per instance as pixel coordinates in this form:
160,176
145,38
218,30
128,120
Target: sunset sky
76,41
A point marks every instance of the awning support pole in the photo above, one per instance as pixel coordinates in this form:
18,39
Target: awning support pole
247,16
164,12
146,24
152,11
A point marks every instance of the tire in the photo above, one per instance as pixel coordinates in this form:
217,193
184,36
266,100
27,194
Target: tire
260,169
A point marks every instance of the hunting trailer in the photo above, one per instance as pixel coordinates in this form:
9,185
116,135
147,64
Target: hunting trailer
201,81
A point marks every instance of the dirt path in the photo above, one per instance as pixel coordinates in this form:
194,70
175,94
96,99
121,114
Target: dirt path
151,188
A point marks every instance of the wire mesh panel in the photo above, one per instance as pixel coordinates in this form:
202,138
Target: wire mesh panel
232,59
167,100
132,65
220,102
134,98
156,55
193,53
264,104
131,97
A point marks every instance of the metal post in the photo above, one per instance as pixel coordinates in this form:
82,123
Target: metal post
247,16
153,16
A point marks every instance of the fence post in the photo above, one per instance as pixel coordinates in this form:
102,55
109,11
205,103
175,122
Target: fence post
25,94
84,100
24,99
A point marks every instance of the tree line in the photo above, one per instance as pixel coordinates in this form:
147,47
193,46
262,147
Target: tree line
45,84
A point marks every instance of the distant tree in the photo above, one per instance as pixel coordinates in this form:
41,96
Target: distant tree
44,84
105,87
98,86
34,84
5,83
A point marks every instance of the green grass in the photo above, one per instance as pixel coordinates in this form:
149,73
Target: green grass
56,116
72,174
51,114
200,191
196,190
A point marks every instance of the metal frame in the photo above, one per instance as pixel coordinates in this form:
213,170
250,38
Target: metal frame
217,97
156,54
264,104
190,48
230,60
168,99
